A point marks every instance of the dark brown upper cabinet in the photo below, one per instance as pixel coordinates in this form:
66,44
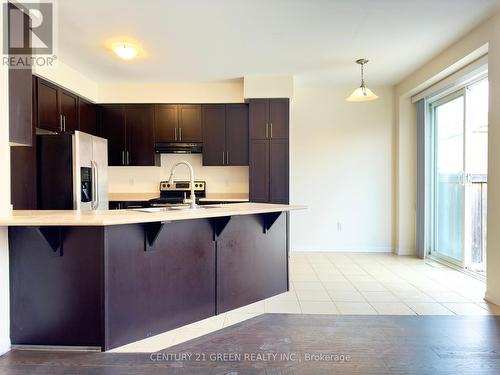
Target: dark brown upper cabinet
20,107
57,108
269,118
129,130
69,110
269,150
166,122
237,134
190,129
225,134
47,103
88,117
139,121
112,127
214,134
178,123
20,93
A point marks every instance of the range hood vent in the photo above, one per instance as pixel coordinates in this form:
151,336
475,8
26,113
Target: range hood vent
178,148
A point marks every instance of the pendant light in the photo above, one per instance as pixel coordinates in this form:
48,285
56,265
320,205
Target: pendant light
362,93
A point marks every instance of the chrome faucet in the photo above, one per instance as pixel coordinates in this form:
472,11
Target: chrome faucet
192,198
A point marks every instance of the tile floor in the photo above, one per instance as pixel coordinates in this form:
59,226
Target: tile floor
350,283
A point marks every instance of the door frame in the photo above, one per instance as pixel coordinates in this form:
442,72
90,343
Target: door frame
430,151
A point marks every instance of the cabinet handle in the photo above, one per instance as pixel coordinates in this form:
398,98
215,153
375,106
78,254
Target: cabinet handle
128,157
64,122
223,162
180,134
60,123
271,129
227,157
175,134
123,157
267,130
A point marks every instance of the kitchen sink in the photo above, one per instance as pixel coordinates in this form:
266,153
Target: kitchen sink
173,208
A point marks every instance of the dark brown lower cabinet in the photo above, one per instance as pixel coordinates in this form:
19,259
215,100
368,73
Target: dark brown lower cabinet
259,171
269,171
111,285
278,171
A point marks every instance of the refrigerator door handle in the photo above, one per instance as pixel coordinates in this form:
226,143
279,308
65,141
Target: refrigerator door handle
94,186
97,198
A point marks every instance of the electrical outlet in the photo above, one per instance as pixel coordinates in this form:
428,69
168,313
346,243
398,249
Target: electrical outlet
339,226
131,181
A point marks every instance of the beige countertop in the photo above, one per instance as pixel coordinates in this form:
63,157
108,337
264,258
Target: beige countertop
211,197
117,217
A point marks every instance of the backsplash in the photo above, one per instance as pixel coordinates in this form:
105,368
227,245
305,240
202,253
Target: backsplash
146,179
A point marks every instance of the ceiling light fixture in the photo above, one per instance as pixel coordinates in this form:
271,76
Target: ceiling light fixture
125,51
362,93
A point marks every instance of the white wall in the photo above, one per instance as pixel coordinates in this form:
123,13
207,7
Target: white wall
230,91
493,251
4,204
268,86
146,179
342,169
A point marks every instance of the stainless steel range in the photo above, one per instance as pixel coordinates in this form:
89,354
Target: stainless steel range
174,193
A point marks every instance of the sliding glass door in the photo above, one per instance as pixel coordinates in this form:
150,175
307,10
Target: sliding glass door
458,178
449,190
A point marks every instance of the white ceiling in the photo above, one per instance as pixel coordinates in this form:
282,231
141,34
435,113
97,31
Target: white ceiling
317,40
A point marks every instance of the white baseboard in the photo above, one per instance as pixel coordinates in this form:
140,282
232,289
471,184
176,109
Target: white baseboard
345,250
492,298
4,346
405,252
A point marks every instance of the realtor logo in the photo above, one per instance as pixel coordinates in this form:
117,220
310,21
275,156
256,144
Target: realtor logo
28,34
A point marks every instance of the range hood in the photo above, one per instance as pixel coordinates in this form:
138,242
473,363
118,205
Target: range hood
178,148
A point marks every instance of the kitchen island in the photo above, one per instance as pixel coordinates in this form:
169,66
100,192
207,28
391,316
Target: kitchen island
107,278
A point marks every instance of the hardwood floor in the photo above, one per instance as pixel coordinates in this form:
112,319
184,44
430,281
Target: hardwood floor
435,345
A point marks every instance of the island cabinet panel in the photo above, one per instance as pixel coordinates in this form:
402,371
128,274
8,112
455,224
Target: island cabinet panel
56,297
168,286
107,286
251,263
